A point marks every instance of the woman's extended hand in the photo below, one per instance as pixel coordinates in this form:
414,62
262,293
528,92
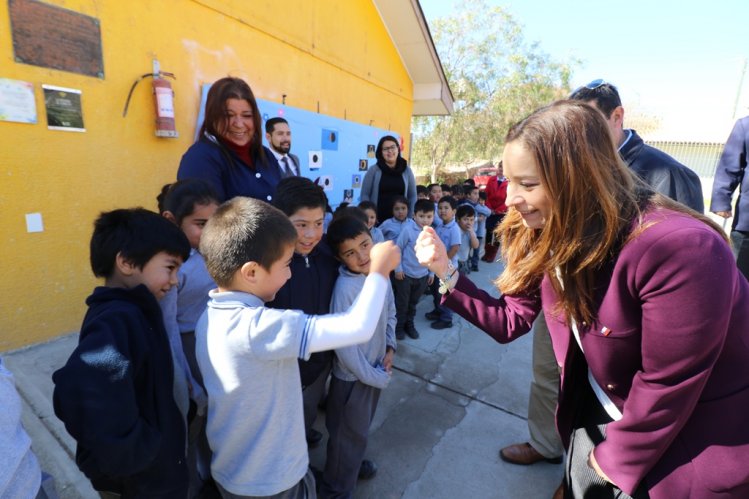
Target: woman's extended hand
431,252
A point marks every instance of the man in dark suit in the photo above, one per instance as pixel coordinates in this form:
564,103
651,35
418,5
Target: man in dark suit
278,135
659,170
730,174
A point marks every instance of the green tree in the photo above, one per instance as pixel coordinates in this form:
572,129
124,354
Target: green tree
496,78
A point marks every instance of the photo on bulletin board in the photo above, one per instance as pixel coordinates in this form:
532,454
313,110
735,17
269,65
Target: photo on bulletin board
348,195
356,181
329,139
326,182
370,151
363,165
315,160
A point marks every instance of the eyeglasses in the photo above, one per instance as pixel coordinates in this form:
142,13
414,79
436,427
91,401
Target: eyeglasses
390,148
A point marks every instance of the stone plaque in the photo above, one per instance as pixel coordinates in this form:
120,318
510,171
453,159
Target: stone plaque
53,37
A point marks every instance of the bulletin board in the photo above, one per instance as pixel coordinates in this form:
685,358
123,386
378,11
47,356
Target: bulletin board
332,152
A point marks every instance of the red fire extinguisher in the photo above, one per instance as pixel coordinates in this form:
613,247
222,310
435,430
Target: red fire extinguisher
163,99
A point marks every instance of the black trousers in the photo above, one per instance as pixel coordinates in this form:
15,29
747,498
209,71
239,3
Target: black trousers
407,293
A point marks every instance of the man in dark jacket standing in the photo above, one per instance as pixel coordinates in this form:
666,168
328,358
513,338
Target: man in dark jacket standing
659,170
729,174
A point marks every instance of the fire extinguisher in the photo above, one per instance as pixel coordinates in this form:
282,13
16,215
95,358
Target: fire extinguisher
163,99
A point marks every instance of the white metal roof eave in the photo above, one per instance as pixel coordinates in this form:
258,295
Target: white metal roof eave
408,29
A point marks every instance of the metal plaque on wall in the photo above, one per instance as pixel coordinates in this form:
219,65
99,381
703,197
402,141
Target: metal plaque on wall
53,37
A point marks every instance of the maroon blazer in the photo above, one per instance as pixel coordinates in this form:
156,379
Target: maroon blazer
670,346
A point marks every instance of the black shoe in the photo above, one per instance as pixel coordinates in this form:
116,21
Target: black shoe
412,332
442,324
433,315
367,470
314,438
400,335
474,268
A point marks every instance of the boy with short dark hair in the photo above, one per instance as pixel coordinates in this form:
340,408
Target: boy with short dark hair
248,352
314,271
117,394
481,212
361,371
466,216
449,233
411,279
422,192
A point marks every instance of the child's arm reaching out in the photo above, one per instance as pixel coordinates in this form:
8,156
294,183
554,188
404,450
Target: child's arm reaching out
328,332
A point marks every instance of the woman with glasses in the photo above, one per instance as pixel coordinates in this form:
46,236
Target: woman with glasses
647,312
389,178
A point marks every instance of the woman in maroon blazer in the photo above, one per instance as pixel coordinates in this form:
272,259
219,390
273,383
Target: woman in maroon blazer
648,314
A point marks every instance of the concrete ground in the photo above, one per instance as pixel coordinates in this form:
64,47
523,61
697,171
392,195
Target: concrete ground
456,397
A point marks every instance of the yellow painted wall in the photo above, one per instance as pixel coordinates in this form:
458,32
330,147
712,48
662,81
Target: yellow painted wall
333,53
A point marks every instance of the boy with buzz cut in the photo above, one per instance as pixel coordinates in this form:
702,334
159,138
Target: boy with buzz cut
361,371
118,394
449,233
314,271
411,279
465,215
248,352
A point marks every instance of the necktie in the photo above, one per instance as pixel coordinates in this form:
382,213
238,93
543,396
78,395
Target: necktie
286,169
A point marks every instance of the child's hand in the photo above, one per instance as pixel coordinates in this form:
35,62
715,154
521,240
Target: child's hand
387,362
431,253
384,258
400,276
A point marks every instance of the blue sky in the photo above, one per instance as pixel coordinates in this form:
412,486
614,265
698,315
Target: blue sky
679,61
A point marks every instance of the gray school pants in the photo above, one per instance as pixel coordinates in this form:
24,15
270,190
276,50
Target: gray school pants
544,393
351,408
304,489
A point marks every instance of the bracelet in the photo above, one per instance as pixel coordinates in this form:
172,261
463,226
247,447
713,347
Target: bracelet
445,283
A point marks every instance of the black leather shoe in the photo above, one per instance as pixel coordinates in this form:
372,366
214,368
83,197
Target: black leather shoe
441,324
314,438
367,470
400,335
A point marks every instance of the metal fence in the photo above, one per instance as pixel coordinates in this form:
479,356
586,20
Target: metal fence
702,157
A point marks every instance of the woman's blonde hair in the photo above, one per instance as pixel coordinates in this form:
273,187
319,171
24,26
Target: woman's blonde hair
597,205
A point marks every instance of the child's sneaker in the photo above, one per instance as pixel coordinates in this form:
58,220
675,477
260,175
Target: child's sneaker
442,324
400,334
412,332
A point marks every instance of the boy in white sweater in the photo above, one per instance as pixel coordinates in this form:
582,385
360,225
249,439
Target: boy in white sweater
248,352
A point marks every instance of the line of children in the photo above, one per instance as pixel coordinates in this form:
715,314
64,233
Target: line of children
247,352
411,279
449,233
481,212
466,216
361,371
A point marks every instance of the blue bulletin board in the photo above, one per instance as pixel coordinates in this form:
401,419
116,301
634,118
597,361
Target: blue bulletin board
334,153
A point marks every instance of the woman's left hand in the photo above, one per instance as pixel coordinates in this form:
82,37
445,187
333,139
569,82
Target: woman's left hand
431,253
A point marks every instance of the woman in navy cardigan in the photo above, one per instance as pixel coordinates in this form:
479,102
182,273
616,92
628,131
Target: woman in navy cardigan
229,154
648,314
